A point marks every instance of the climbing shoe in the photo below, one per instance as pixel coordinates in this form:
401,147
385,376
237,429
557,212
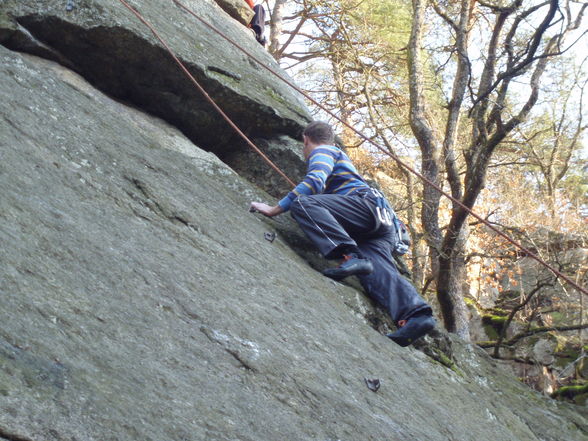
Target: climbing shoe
414,328
352,265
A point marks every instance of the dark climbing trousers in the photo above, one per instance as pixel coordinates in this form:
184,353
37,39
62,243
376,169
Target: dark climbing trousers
332,221
258,21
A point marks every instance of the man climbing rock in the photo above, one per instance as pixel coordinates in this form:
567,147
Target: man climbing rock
348,220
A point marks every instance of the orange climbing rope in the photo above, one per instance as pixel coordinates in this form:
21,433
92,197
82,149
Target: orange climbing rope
361,135
206,95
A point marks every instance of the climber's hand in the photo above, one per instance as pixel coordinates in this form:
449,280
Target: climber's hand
265,209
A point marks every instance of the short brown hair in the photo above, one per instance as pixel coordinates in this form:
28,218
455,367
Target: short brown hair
320,133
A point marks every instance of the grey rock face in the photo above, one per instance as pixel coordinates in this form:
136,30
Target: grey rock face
543,352
139,301
110,47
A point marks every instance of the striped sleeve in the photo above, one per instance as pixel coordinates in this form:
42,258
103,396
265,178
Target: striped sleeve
320,166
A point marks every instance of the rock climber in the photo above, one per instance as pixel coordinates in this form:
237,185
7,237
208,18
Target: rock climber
347,219
258,22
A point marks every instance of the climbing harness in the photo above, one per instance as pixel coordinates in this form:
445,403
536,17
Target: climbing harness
403,240
361,135
383,209
387,216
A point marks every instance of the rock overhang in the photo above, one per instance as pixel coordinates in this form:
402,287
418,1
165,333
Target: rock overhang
109,46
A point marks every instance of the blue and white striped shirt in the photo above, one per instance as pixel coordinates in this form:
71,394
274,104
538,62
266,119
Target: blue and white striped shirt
329,171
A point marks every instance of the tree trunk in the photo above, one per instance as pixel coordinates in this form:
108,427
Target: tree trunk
424,134
349,137
450,285
276,23
488,127
418,261
452,269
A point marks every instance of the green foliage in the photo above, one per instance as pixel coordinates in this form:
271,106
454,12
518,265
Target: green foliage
357,65
387,21
575,183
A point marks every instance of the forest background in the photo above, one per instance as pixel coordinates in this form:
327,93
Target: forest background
487,100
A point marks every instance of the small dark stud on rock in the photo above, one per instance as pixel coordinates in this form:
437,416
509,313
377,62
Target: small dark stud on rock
373,384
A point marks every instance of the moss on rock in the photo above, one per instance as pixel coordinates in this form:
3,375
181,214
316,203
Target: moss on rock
578,393
493,324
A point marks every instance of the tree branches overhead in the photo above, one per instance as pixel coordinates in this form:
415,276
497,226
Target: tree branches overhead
353,53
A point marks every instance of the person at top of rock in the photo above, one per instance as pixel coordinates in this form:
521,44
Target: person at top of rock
347,219
258,22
